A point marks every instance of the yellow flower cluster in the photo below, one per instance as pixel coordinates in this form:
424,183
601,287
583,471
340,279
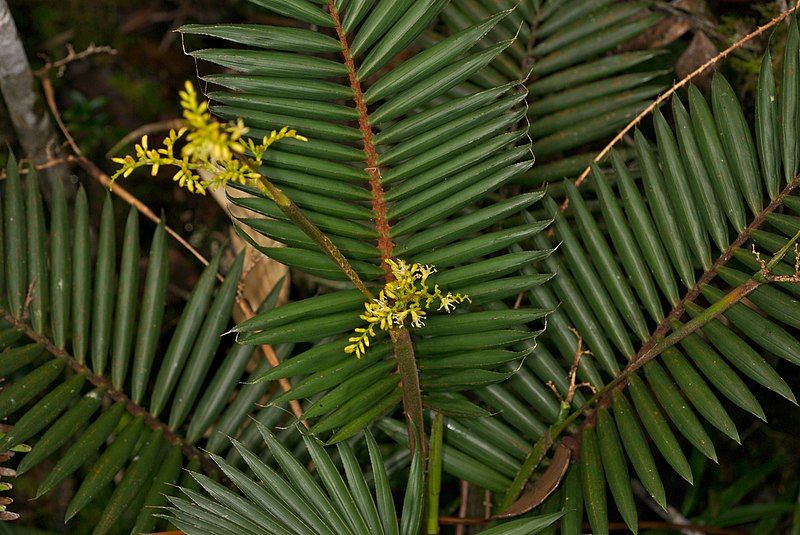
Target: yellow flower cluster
208,157
406,297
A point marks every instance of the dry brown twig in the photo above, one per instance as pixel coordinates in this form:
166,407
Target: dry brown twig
150,128
574,385
60,66
24,165
767,274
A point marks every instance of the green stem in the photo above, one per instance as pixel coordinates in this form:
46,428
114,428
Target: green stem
293,212
435,473
401,342
409,382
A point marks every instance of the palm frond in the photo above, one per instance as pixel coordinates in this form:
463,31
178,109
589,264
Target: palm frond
85,373
293,500
667,271
395,168
581,87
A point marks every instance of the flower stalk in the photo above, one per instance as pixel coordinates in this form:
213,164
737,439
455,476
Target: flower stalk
406,296
218,151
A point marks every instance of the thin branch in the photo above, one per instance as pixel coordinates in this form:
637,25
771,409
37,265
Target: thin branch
664,96
462,507
50,96
25,167
60,66
293,212
765,271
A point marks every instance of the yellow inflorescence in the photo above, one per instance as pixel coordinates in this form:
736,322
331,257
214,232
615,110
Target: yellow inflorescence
406,297
208,146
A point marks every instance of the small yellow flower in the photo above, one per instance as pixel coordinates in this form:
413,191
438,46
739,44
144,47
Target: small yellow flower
208,146
405,297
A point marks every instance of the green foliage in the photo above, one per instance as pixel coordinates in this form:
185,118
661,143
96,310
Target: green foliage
90,344
83,365
293,501
409,156
581,88
387,189
680,244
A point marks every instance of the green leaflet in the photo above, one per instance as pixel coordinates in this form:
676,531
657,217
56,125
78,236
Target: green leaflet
59,432
593,479
103,294
37,293
87,444
132,483
269,37
128,289
185,332
152,313
44,412
165,477
678,411
615,467
205,346
637,449
13,359
16,275
13,397
60,280
81,285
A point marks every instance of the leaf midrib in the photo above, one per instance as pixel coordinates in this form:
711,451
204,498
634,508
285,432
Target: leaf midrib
403,348
379,209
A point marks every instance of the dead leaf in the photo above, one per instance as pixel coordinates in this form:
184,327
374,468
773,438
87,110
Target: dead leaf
667,31
543,487
663,33
260,273
699,8
699,51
